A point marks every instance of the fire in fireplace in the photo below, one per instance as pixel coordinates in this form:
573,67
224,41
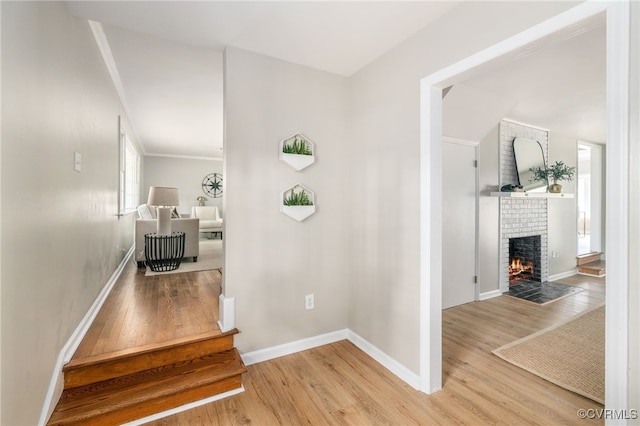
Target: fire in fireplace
519,270
524,259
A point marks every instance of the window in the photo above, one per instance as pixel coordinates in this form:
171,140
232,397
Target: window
129,176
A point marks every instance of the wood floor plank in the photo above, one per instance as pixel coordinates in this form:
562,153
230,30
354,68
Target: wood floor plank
142,310
338,384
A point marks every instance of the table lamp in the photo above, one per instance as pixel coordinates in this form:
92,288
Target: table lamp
164,198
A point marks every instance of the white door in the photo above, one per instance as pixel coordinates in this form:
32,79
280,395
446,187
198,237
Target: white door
459,223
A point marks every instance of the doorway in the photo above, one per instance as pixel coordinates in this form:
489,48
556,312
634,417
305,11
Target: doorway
617,312
590,198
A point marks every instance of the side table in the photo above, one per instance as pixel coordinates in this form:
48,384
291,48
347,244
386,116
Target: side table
164,252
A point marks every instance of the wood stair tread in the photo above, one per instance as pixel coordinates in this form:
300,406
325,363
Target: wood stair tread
125,394
586,258
85,371
597,268
125,353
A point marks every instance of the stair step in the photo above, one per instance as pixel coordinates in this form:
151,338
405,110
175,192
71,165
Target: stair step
583,259
597,268
85,371
137,395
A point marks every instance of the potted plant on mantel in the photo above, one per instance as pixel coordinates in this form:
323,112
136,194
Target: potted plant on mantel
557,172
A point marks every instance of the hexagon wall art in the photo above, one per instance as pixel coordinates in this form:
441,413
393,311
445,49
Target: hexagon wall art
298,202
297,151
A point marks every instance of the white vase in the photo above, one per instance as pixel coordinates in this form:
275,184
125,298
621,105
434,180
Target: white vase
164,221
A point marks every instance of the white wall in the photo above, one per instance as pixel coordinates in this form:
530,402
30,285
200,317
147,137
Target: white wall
489,212
272,261
563,224
385,148
61,237
185,174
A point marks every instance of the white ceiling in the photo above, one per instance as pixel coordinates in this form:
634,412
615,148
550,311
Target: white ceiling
335,36
560,86
169,53
169,58
173,93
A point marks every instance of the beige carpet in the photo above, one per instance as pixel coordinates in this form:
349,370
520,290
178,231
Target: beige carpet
569,354
210,258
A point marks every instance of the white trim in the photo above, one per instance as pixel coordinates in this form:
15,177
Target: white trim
430,237
459,141
226,312
182,157
591,275
57,379
562,275
489,294
617,185
387,362
266,354
617,210
109,61
185,407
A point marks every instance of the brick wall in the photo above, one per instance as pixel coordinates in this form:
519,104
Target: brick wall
520,217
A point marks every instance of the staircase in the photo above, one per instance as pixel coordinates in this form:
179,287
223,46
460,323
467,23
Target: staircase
590,264
131,384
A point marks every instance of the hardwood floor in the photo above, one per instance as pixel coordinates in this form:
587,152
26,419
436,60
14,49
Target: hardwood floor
142,311
154,346
339,384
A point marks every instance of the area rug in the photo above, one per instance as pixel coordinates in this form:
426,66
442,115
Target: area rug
541,293
569,354
210,258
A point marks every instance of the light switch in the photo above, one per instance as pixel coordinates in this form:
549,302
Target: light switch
77,161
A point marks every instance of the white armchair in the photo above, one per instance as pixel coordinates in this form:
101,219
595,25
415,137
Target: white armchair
210,220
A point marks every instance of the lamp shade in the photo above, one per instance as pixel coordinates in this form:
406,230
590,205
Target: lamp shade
163,196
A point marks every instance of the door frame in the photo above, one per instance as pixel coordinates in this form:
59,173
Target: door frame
617,173
474,145
601,149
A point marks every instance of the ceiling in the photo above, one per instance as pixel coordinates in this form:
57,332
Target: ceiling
168,55
557,84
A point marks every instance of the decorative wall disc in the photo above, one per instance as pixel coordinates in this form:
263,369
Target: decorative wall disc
212,185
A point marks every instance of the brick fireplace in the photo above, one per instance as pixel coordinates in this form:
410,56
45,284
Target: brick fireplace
521,217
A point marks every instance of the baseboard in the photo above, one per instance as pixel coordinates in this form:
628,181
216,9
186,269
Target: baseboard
592,275
489,294
56,385
185,407
266,354
387,362
562,275
226,313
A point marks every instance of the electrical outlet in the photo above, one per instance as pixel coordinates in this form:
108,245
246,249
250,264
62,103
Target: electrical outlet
308,302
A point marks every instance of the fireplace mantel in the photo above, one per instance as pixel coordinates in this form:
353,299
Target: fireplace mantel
531,195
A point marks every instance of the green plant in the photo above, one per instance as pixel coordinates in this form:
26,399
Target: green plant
558,171
297,199
561,171
539,174
299,146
